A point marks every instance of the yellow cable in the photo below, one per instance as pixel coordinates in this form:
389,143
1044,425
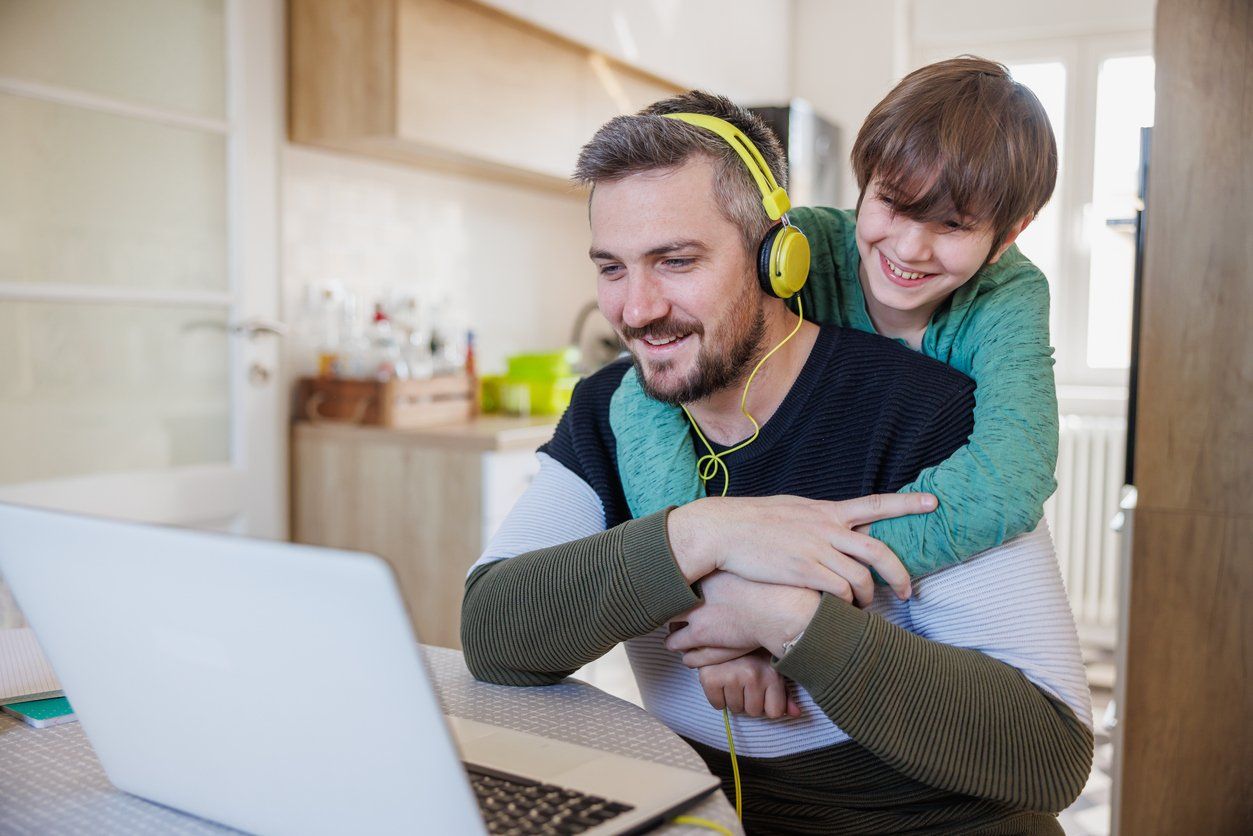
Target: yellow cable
707,466
697,821
735,766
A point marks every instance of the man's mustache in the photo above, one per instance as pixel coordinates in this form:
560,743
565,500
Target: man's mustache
662,329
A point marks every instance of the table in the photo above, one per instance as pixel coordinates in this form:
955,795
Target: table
52,783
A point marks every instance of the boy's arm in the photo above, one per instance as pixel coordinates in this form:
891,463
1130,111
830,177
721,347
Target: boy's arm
989,699
994,487
533,618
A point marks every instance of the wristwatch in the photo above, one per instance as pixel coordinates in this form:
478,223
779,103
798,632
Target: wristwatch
791,643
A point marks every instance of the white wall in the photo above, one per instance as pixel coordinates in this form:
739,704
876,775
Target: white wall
846,55
963,22
512,259
735,47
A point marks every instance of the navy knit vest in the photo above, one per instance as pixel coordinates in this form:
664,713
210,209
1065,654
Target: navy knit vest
864,416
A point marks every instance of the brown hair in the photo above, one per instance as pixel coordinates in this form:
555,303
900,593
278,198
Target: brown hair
646,141
959,136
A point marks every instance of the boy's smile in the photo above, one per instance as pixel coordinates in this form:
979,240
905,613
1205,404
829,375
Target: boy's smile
899,275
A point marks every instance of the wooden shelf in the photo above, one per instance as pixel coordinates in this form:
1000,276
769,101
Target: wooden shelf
452,85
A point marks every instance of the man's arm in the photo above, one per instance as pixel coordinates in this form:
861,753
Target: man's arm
533,617
988,697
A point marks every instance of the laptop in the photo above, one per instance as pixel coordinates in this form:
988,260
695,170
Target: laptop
278,688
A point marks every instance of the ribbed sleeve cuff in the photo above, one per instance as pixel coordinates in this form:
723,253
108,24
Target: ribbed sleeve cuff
652,570
818,661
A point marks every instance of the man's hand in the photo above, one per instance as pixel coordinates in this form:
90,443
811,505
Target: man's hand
740,615
748,685
789,540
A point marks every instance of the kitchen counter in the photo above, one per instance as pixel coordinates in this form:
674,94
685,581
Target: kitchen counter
427,500
487,433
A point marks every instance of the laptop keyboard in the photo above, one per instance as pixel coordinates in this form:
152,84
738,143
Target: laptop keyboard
514,805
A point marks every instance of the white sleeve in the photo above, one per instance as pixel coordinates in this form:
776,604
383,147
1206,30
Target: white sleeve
557,507
1010,603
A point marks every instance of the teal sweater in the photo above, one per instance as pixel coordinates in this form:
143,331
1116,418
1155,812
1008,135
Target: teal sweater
994,328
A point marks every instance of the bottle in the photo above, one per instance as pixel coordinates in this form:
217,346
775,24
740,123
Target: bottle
352,360
386,357
327,335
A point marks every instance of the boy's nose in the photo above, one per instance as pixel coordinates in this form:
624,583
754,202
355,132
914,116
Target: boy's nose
913,244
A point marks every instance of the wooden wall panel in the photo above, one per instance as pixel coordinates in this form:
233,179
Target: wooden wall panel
1186,707
1195,423
1188,766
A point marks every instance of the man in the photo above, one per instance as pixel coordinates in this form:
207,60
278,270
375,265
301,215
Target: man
961,709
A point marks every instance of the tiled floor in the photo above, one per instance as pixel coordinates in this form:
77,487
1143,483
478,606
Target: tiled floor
1088,816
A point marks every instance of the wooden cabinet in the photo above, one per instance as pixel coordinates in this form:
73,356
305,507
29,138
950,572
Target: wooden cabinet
452,84
1186,693
425,500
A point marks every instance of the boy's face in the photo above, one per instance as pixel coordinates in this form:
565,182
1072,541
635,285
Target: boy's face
675,281
909,267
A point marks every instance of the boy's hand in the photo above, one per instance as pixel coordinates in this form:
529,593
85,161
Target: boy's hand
739,614
749,685
793,541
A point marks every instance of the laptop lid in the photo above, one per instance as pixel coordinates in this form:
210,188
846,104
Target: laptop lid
213,678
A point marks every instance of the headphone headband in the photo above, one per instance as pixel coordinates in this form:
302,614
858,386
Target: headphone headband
773,198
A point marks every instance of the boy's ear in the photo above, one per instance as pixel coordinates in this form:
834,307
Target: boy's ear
1010,238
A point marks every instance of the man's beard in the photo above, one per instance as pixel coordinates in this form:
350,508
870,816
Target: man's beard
715,370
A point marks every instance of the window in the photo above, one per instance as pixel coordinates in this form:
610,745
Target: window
1124,104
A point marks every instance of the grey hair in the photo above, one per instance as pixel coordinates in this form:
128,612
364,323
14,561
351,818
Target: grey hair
646,141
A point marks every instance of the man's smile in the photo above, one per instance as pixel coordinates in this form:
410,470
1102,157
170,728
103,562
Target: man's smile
663,346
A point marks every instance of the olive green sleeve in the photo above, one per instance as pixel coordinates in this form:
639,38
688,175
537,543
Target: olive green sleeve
536,618
950,717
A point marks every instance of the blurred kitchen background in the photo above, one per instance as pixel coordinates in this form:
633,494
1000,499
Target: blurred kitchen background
314,270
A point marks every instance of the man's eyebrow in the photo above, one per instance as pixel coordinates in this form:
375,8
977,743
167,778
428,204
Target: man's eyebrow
661,249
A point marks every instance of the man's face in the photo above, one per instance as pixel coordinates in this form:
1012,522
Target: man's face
910,266
675,281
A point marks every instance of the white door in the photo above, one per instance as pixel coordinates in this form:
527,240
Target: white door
138,260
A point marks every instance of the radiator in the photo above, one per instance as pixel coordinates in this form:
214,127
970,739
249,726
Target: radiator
1089,478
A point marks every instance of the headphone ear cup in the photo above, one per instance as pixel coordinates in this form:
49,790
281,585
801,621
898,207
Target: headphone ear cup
783,261
765,258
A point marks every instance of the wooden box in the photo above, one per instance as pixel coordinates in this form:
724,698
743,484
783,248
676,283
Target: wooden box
400,404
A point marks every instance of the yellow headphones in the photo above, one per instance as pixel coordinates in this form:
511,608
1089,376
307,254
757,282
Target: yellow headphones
783,257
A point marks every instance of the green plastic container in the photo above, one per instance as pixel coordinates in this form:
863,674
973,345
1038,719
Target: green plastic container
540,367
535,384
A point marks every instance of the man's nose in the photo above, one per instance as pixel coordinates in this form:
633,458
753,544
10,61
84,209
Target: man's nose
645,301
913,243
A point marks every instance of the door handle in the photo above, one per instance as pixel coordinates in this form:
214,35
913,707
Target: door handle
251,328
257,325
